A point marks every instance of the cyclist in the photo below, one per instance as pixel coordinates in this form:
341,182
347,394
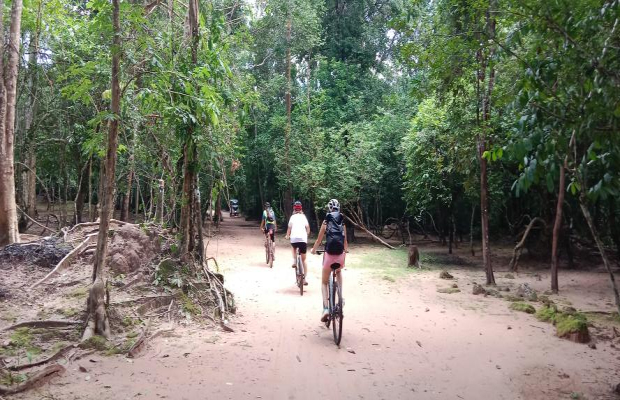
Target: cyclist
269,226
298,231
336,246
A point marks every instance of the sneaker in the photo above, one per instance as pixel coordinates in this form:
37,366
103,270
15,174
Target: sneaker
294,265
325,315
305,282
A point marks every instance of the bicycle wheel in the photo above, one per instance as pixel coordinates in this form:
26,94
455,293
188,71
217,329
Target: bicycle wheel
266,252
270,262
336,299
300,275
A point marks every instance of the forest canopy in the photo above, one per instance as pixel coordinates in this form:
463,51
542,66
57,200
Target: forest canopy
445,118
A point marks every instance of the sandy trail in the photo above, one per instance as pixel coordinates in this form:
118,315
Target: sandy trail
401,340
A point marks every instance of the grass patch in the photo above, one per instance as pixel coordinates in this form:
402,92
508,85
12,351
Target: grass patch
189,306
8,378
386,264
21,341
68,312
566,324
96,343
523,307
449,290
547,313
78,292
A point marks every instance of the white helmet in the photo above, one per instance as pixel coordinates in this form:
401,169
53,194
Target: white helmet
333,205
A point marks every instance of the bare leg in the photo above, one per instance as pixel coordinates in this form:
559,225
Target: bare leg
294,257
325,282
303,262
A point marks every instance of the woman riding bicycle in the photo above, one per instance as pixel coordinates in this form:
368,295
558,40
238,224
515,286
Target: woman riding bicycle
335,248
298,231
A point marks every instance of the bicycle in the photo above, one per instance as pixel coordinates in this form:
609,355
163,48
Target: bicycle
269,249
335,303
300,274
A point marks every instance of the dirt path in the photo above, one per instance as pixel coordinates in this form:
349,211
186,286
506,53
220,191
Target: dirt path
401,340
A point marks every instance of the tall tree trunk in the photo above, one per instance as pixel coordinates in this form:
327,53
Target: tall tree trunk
90,188
8,91
187,199
98,322
557,228
29,179
288,193
189,149
485,61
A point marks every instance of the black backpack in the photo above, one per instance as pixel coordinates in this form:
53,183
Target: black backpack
335,233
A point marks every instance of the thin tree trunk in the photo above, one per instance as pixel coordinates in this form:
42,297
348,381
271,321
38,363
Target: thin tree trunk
90,188
80,195
98,322
137,201
8,90
557,228
288,192
29,180
482,148
186,203
159,210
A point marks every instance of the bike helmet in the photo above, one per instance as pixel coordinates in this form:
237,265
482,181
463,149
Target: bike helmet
267,205
297,205
333,205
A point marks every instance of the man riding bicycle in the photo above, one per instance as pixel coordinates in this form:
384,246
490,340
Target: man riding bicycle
298,231
268,225
335,248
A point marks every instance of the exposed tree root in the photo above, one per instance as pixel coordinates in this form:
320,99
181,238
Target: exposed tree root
98,322
35,380
143,341
53,357
42,324
67,259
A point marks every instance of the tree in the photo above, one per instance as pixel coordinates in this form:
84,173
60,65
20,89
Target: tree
8,89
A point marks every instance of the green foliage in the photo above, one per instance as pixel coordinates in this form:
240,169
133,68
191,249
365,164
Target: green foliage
570,323
523,307
547,313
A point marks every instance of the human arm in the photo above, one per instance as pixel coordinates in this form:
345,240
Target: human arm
288,231
346,242
319,238
262,222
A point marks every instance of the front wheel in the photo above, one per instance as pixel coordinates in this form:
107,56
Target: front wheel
270,256
336,311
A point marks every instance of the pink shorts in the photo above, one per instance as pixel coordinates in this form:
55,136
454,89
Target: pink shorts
329,259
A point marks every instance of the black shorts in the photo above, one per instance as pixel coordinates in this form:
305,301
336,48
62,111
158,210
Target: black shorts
302,246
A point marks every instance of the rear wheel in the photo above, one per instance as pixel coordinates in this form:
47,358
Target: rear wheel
336,312
300,276
266,252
